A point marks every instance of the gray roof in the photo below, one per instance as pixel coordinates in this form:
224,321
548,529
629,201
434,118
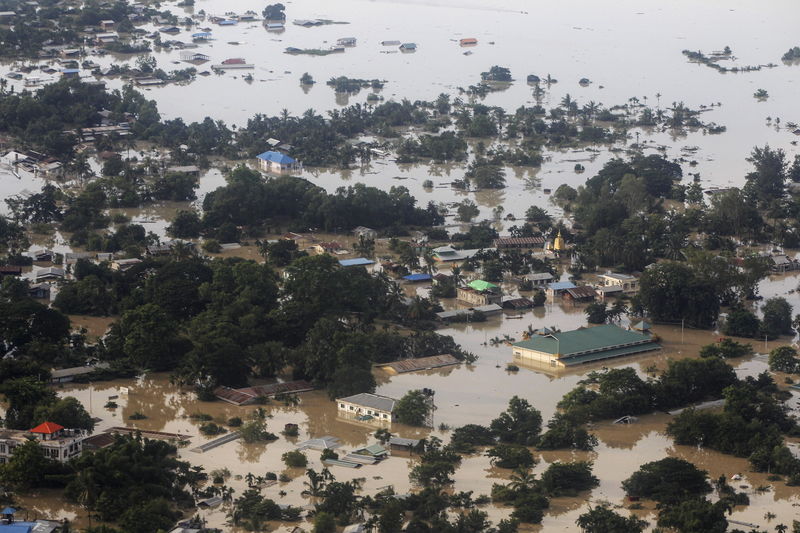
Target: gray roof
780,260
485,309
400,441
618,276
50,271
539,276
375,401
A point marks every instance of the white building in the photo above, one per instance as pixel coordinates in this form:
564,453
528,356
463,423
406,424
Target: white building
629,284
367,406
57,443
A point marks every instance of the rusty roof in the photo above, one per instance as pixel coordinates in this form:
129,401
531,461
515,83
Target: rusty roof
421,363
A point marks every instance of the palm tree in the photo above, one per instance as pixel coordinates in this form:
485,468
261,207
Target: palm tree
249,479
182,251
315,486
458,279
430,262
522,480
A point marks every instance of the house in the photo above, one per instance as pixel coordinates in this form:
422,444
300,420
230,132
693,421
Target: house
165,248
346,41
71,73
558,288
57,443
402,444
106,25
510,302
70,258
124,264
408,47
40,291
782,263
367,406
583,346
628,283
106,38
192,170
65,375
445,254
614,291
456,314
363,231
510,243
50,273
326,247
417,278
584,293
42,256
277,163
468,41
479,292
539,279
10,271
358,261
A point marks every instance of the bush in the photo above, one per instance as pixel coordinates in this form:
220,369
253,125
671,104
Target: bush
412,409
784,359
212,246
235,422
295,459
568,478
210,429
511,456
667,481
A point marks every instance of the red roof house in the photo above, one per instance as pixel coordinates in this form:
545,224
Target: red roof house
47,428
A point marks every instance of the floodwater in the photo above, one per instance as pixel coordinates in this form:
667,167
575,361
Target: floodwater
627,49
464,394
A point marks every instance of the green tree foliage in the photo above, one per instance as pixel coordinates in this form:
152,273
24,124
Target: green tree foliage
147,337
520,424
563,432
694,514
726,349
741,322
412,409
28,468
674,292
568,478
67,412
127,475
601,519
669,480
777,318
465,438
295,459
185,225
768,181
23,396
436,467
784,359
511,456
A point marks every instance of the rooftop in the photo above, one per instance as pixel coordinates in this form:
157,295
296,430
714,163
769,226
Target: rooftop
277,157
619,277
584,345
481,285
47,428
358,261
561,285
375,401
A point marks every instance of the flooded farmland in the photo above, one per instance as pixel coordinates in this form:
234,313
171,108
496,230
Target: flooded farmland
627,49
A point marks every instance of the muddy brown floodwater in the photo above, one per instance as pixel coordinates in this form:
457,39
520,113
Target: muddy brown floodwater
464,394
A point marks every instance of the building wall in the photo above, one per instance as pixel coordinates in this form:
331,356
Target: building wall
353,410
538,357
478,298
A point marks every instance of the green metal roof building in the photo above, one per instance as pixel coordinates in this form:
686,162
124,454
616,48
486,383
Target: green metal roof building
583,345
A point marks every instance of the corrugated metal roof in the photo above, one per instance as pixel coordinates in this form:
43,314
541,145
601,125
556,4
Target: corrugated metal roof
421,363
277,157
561,285
359,261
373,401
595,340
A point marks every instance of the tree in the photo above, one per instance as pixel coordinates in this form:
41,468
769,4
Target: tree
295,459
520,424
601,519
147,337
568,478
28,467
784,359
68,412
695,514
667,481
674,291
23,395
413,408
510,456
726,349
596,313
768,180
185,225
741,323
777,318
467,210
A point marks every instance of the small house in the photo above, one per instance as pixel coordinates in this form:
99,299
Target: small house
584,293
363,231
356,262
558,288
346,41
326,247
402,444
367,406
511,243
39,291
628,283
468,41
42,256
50,273
106,25
782,263
10,271
124,264
57,442
70,73
539,279
479,292
106,38
277,163
408,47
71,258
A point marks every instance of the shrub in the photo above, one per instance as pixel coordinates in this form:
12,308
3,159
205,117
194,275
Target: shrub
295,459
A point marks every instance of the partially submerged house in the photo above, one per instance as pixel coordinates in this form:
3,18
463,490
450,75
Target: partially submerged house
480,292
277,163
782,263
539,279
327,247
558,288
50,273
584,293
57,442
629,284
581,346
510,243
367,406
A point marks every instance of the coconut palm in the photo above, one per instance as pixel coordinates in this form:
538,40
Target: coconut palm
522,480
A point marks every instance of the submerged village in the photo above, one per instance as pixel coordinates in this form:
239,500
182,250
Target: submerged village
389,266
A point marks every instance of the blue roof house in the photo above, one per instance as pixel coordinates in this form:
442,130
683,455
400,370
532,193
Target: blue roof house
277,163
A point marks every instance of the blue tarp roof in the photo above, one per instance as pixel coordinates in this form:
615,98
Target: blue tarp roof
17,527
561,285
417,277
201,34
359,261
276,157
70,71
8,510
